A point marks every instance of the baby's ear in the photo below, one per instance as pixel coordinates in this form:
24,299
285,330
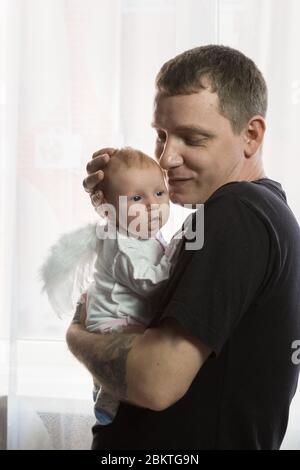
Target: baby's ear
97,198
102,209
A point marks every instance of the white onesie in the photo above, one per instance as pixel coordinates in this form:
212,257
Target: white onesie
127,271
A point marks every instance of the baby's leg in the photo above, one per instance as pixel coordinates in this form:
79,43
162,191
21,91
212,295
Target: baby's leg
106,407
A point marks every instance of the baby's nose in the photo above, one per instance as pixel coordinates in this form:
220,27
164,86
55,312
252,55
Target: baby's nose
152,204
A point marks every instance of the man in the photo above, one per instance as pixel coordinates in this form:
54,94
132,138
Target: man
214,369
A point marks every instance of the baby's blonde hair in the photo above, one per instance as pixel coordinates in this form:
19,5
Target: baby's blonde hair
130,157
127,157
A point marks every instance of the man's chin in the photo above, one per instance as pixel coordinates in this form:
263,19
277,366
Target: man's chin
180,198
185,199
175,198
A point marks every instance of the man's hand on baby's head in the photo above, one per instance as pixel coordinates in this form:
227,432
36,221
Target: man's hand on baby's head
94,168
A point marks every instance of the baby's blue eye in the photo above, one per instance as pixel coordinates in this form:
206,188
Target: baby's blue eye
136,198
159,193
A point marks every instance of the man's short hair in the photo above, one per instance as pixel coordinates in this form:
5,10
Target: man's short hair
239,84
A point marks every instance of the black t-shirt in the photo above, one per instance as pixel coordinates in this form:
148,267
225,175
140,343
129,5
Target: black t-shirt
239,295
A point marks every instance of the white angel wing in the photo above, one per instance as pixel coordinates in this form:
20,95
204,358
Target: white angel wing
68,270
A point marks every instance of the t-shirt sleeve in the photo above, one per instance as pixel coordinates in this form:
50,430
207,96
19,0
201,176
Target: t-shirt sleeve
222,279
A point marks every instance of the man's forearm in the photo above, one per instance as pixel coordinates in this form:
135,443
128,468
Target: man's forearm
105,356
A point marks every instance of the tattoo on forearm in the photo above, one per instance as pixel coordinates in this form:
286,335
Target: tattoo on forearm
111,367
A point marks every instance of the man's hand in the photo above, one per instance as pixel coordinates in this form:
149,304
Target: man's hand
94,168
79,317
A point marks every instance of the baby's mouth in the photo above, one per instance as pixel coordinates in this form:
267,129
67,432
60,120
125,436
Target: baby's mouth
154,224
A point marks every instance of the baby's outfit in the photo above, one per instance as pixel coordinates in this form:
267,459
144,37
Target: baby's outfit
127,271
119,273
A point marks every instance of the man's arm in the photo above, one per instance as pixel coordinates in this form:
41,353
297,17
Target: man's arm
153,369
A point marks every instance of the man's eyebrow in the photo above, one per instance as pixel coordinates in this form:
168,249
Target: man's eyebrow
194,130
190,129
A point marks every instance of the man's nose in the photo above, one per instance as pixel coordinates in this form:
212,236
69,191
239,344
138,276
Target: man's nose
170,156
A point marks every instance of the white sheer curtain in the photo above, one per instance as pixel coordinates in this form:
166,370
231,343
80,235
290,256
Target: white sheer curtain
76,75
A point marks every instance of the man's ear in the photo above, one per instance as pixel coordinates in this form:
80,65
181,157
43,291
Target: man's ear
253,135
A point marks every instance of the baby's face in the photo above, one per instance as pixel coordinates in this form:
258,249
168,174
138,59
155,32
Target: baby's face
145,202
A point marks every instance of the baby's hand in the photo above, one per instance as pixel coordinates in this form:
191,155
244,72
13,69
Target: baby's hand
94,168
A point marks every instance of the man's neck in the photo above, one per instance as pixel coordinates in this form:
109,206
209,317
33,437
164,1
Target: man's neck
250,170
254,175
246,174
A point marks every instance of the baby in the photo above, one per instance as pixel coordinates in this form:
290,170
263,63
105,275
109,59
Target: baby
129,257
